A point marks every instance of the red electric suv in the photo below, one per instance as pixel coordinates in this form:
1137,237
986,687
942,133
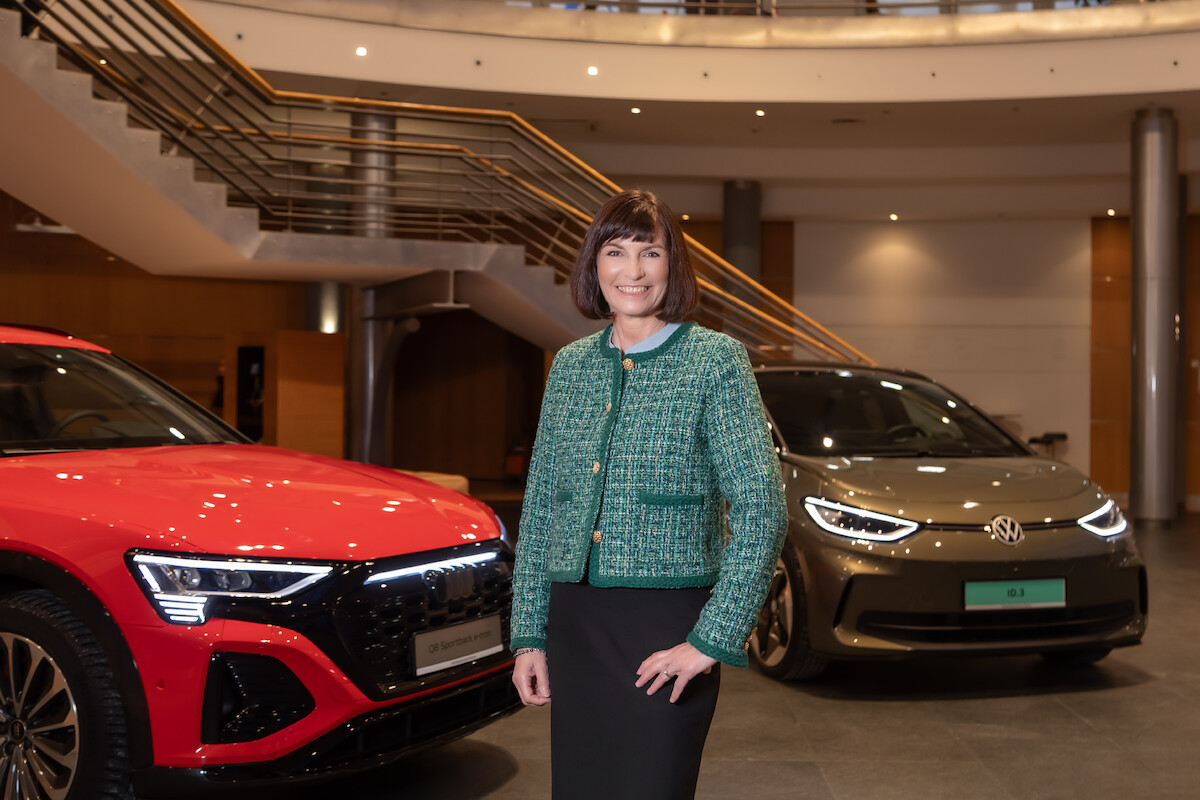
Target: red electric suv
179,606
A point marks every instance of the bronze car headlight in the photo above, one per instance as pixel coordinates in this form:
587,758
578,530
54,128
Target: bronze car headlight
857,523
180,586
1106,521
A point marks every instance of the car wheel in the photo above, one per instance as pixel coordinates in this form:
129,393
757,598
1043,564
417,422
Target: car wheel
62,729
1079,657
779,643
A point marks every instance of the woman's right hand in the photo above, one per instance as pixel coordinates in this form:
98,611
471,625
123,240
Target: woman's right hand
532,678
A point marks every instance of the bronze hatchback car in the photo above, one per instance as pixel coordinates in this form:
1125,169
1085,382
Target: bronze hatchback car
919,525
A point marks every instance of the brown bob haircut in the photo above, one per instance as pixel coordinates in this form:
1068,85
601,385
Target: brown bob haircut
638,215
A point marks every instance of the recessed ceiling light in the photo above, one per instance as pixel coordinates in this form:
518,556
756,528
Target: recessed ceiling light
685,217
893,217
635,110
1112,212
760,113
593,71
360,51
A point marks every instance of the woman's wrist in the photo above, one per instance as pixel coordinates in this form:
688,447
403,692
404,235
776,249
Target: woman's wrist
520,651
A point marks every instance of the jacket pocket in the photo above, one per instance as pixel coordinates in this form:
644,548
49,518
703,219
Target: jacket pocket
658,499
563,496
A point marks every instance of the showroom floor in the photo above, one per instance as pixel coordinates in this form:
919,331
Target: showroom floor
994,729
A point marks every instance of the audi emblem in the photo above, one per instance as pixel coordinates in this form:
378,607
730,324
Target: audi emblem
451,583
1007,530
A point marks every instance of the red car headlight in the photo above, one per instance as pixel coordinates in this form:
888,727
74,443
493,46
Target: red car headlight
180,586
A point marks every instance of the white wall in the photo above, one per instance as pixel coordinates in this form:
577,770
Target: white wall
999,311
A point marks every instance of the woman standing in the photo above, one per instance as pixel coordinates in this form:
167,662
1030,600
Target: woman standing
627,582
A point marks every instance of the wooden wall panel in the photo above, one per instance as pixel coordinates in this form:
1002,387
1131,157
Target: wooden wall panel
467,395
175,327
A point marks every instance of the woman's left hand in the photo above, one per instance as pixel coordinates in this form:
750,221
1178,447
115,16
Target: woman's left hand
681,663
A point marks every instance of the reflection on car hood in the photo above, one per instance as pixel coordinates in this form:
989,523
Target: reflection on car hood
248,499
930,487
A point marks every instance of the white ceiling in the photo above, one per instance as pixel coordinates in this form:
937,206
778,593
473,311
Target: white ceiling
991,123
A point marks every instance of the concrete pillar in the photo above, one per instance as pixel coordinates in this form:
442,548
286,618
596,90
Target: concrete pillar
364,337
741,226
1156,433
373,170
367,418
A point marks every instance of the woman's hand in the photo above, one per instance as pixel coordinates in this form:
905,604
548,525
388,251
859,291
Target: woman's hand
681,663
532,678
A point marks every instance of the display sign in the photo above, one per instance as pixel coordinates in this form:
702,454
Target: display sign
447,647
1039,593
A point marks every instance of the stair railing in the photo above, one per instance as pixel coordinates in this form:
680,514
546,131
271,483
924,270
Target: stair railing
344,166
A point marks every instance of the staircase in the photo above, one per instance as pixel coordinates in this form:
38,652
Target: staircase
126,122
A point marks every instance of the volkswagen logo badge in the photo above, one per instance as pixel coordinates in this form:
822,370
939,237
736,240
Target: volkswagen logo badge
1007,530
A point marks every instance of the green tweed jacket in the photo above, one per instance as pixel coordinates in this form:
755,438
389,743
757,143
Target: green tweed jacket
634,461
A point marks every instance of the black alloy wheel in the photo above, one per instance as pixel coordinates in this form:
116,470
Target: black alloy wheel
779,642
62,730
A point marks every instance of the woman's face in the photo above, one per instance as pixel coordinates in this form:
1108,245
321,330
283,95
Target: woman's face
633,276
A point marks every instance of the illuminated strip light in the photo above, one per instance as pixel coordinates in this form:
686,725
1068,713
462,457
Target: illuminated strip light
314,573
1119,527
184,609
904,526
476,558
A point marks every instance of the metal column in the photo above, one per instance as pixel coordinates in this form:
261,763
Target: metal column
367,422
1155,432
741,226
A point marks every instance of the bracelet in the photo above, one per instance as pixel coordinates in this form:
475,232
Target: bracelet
524,650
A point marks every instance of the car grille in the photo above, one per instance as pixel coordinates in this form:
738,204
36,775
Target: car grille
377,620
997,627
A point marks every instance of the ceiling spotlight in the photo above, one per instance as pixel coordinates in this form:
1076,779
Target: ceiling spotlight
1112,212
760,113
593,71
893,217
685,217
360,51
635,110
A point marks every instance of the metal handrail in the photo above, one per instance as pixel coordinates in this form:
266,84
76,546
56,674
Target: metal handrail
348,166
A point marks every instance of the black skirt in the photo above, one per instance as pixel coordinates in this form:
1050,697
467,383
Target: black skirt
608,739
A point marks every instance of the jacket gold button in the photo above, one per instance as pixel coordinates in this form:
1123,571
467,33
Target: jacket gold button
608,408
627,363
597,536
596,467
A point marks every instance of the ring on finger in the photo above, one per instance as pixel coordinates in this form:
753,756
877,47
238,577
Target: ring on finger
666,674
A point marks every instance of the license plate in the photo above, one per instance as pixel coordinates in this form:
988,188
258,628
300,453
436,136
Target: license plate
1046,593
457,644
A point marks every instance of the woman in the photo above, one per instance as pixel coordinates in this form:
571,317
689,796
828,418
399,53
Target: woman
628,592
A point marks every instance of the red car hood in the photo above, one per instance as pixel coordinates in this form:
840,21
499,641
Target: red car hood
248,500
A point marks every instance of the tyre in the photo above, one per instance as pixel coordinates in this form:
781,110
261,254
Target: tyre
62,729
1079,657
779,643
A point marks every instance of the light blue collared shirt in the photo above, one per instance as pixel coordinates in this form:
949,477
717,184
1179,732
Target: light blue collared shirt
650,342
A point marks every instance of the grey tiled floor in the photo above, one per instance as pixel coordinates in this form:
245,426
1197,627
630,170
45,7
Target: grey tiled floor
987,728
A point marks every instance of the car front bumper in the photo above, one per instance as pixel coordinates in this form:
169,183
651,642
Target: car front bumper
892,599
364,742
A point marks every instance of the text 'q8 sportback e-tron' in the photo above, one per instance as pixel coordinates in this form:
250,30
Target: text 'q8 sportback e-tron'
180,606
919,525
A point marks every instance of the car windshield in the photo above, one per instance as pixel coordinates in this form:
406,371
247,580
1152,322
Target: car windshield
858,414
58,398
